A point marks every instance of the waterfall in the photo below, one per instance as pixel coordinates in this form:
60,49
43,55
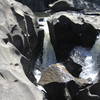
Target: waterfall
96,54
48,56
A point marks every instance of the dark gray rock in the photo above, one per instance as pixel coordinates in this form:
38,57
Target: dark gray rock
57,91
74,68
89,93
72,35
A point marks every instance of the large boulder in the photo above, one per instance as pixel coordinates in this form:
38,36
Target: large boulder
57,91
61,74
71,33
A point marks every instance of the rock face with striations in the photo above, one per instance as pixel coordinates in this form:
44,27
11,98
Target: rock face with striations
14,67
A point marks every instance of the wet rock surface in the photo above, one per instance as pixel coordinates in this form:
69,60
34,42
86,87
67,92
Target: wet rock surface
49,50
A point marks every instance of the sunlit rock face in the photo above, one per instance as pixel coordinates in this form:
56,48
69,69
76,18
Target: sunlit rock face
15,83
57,91
61,73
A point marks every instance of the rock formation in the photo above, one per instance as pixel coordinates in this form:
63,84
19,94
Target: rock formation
49,49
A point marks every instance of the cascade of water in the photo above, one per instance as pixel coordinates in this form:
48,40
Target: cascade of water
48,57
96,54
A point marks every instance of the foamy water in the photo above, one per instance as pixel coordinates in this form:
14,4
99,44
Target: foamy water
84,57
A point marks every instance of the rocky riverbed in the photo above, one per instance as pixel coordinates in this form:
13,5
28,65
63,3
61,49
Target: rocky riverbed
49,50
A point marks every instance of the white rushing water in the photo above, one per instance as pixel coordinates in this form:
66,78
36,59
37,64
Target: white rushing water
48,51
84,57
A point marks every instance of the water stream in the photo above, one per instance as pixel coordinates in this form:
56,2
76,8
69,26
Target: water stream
89,60
48,56
48,51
